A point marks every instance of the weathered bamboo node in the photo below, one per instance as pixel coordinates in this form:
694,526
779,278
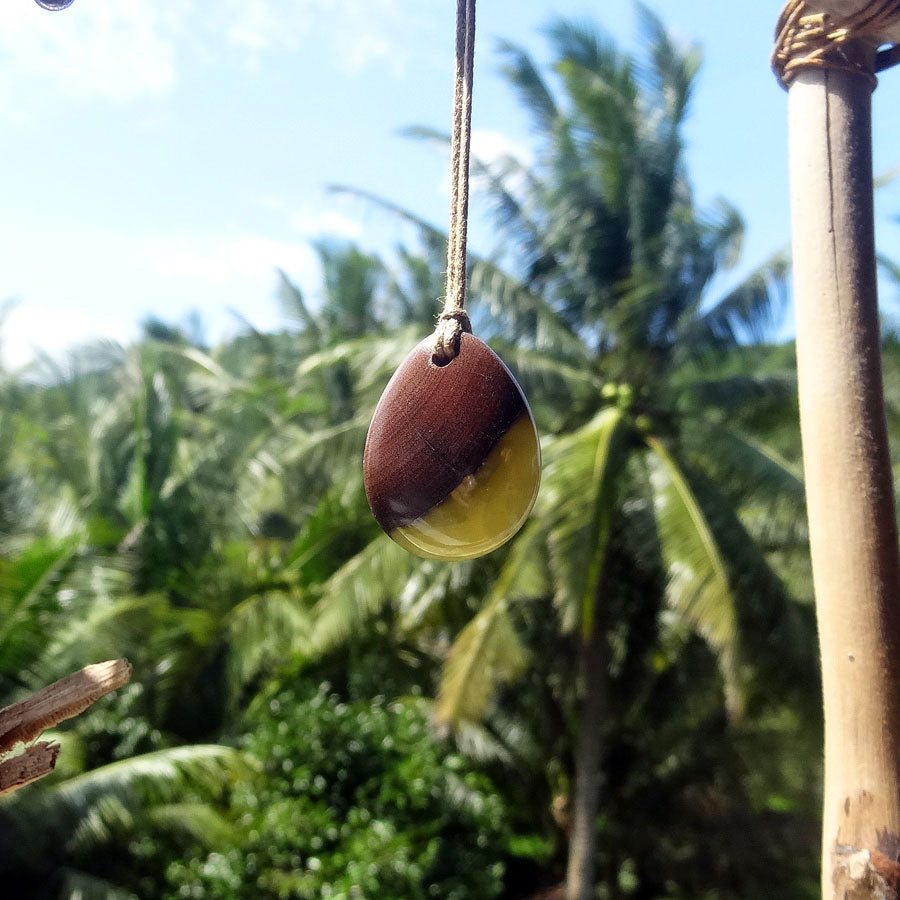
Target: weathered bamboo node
826,55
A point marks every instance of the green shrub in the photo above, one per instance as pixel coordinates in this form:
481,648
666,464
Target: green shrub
357,800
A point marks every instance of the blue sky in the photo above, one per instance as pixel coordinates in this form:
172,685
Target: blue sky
165,155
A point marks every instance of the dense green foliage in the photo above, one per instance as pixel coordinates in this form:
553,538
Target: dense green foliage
315,713
365,804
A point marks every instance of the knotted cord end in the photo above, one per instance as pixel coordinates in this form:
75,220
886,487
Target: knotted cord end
450,327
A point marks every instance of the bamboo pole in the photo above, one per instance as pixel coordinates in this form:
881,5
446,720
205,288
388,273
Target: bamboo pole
849,484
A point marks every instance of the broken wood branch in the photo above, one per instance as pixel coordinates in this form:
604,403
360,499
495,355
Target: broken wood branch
24,721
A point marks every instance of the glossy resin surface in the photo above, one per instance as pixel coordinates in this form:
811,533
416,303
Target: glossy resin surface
452,459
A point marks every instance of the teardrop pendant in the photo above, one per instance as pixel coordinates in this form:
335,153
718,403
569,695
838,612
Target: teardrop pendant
452,461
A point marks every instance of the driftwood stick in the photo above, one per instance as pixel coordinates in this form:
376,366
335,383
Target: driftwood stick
24,721
61,700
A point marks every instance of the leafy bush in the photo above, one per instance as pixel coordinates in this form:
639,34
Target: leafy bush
357,800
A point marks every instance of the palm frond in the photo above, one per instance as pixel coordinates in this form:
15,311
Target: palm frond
588,47
294,306
352,280
434,238
887,177
487,652
722,585
104,628
28,600
203,361
673,69
699,588
731,393
890,267
81,886
110,818
367,353
163,776
751,308
740,459
496,180
331,448
88,808
264,631
558,392
722,229
376,576
521,71
532,363
201,823
526,312
107,817
338,524
581,487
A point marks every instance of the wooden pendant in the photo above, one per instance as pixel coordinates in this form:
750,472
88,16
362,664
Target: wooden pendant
452,461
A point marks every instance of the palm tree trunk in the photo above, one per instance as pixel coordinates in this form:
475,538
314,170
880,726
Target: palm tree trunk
853,533
593,672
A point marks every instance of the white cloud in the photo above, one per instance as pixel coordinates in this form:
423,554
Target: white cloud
325,223
117,51
53,331
491,146
362,32
258,25
122,50
309,220
167,275
216,261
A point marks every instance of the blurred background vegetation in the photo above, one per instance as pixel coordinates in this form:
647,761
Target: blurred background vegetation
315,713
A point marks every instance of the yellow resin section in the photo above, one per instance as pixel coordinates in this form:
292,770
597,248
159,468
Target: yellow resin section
488,507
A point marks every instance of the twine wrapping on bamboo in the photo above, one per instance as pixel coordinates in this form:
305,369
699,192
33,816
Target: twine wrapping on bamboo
807,36
454,320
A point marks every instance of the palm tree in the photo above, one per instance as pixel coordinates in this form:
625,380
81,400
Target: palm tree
199,494
131,460
53,833
664,481
179,505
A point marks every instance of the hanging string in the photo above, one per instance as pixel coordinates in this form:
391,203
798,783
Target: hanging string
807,38
454,320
